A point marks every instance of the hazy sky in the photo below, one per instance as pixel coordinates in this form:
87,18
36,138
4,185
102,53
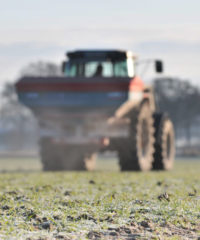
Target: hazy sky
32,30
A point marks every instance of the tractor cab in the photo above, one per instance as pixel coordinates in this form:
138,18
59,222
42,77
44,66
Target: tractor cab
102,63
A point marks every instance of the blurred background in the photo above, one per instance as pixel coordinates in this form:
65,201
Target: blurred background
35,35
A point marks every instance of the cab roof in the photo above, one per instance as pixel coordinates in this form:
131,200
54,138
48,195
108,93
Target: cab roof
100,54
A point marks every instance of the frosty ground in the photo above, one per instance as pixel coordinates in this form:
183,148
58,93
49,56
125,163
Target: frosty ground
104,204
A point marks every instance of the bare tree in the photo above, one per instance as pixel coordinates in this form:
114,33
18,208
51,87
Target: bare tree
41,69
178,98
15,118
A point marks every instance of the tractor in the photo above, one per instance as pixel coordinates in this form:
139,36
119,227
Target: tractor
99,104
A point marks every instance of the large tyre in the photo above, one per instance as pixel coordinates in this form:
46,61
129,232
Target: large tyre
49,156
137,155
164,144
61,158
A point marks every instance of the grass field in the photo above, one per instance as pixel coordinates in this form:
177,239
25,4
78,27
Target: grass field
104,204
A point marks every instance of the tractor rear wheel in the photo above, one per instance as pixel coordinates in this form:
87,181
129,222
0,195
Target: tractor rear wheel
164,144
137,155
